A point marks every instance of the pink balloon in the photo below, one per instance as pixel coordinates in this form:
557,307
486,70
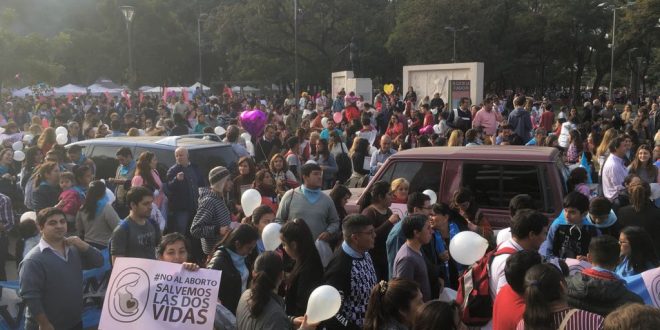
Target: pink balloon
337,117
253,122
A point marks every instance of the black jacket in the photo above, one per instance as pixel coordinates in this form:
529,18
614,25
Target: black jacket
230,282
45,196
598,294
308,278
648,218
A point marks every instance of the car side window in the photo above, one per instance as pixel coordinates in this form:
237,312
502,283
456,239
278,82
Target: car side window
421,175
495,184
104,159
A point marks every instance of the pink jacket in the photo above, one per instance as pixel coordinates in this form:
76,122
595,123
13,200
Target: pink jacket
72,201
137,181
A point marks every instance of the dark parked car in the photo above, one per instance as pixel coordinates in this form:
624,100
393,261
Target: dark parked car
204,153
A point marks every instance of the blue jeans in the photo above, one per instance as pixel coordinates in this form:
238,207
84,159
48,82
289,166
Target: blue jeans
180,222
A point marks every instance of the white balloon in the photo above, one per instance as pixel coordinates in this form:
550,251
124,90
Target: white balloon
30,215
250,200
323,303
324,122
19,156
28,138
431,194
271,236
110,195
467,247
219,130
503,235
18,145
61,130
61,139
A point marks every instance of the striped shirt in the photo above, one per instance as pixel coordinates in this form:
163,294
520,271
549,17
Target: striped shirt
580,320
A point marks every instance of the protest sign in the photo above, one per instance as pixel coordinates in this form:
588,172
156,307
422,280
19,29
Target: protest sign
576,266
152,294
400,209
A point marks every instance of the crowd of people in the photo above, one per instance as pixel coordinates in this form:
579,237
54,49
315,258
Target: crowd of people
391,270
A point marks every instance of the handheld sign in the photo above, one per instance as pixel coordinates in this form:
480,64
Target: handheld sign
150,294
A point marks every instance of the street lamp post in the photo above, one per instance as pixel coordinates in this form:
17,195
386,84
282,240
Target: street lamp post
199,42
129,12
454,30
613,9
295,48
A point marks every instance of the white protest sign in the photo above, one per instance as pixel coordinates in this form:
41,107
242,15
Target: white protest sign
150,294
652,282
576,266
400,209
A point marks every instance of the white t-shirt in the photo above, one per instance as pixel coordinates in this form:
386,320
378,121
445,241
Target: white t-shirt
496,276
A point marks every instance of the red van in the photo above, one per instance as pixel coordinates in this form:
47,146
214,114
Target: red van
493,173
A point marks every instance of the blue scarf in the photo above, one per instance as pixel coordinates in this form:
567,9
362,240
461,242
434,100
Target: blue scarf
124,170
312,195
239,262
3,170
100,204
80,191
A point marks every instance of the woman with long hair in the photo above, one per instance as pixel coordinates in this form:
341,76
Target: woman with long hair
641,125
394,127
307,272
247,169
230,257
546,306
637,252
96,219
603,149
575,146
147,176
340,194
326,160
261,217
392,305
259,306
465,204
641,212
284,178
455,139
378,211
265,184
46,180
47,140
359,151
33,158
438,314
644,166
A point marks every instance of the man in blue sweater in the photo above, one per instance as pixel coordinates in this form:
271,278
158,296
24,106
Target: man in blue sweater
51,275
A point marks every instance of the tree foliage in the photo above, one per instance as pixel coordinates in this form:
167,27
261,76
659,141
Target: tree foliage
526,44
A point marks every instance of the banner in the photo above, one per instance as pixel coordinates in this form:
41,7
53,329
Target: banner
150,294
457,90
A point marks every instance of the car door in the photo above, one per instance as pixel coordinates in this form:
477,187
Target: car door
104,159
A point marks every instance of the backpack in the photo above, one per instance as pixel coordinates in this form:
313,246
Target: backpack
474,290
124,225
344,166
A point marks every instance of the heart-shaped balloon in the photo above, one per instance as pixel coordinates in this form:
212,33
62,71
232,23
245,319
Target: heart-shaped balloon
388,88
253,122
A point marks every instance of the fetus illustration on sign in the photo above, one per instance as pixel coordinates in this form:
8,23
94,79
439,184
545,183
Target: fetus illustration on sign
129,294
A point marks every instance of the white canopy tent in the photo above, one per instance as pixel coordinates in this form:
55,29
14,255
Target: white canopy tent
102,86
21,92
70,89
198,84
236,89
145,88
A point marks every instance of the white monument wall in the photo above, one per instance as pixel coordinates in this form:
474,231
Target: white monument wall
434,78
